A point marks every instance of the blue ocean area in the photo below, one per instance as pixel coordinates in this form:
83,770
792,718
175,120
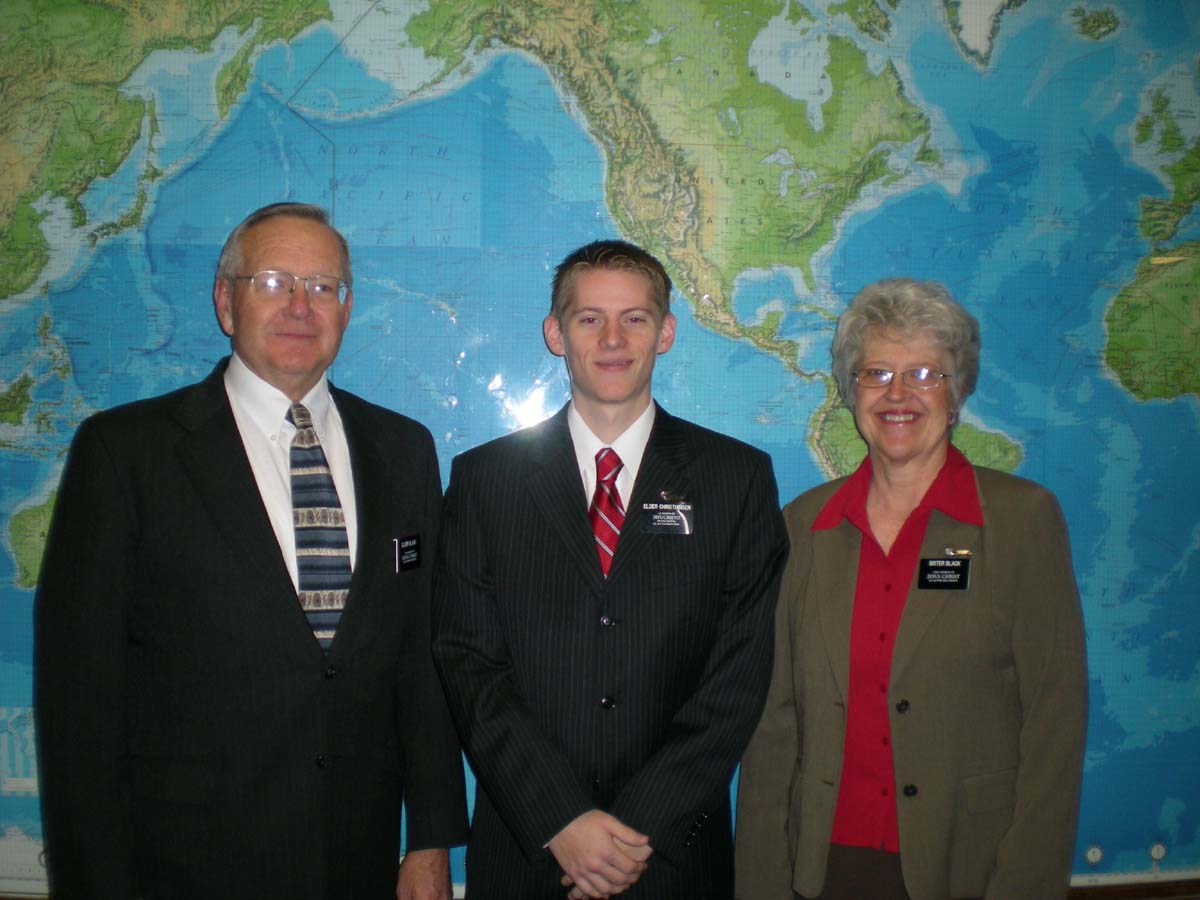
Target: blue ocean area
457,209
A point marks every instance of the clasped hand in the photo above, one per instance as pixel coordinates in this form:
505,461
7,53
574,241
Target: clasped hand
599,855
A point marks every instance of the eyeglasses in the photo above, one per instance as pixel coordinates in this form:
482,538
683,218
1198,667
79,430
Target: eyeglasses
923,379
276,285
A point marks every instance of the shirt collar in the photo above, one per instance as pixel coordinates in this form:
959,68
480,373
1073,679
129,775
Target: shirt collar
266,405
953,492
630,446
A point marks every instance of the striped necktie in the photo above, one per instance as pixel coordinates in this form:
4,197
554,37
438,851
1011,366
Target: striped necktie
322,548
607,513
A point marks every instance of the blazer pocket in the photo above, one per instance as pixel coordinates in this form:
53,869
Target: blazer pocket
985,793
984,814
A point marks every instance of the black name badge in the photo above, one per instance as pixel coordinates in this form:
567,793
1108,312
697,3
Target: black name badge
408,552
667,518
944,574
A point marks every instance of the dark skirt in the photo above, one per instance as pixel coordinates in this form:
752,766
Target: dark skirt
861,873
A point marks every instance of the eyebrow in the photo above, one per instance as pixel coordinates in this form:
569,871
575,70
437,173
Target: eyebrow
622,312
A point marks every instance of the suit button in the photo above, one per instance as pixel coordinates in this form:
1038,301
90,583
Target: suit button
902,707
321,761
331,672
607,621
607,702
910,790
595,785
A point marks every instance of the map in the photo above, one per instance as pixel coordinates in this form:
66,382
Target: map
1042,159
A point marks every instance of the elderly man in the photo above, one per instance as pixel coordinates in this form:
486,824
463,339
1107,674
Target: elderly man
607,664
234,687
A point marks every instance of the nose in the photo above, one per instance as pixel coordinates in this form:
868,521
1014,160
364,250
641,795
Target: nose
896,389
298,304
612,336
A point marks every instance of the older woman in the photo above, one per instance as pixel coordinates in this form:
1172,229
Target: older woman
923,737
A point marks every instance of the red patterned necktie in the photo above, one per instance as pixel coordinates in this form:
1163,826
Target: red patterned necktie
607,513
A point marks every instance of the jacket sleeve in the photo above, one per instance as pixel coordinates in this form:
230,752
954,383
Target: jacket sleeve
668,797
434,789
81,616
1034,857
762,847
503,742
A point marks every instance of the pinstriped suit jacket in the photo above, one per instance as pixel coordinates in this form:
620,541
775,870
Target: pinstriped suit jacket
635,695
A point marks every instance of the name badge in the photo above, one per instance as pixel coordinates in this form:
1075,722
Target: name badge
668,517
408,552
944,574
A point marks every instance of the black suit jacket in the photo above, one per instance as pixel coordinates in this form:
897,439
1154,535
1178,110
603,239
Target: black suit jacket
194,739
635,694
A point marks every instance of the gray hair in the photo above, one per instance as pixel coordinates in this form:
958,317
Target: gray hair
231,253
907,308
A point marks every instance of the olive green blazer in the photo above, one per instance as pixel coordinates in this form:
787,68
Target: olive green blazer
988,709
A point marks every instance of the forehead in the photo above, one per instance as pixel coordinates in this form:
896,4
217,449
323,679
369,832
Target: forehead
612,289
920,347
291,240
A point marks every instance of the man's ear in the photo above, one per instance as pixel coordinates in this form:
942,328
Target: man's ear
223,303
666,334
552,332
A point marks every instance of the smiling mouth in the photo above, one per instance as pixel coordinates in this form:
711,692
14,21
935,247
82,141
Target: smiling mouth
899,418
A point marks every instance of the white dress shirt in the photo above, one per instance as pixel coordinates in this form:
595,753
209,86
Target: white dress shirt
630,447
260,411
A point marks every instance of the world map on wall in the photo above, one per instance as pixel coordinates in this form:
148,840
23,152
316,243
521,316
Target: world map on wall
1042,159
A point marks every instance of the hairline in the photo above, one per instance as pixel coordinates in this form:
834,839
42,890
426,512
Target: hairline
230,259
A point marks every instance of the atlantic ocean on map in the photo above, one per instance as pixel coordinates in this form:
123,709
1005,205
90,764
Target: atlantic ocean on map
1041,160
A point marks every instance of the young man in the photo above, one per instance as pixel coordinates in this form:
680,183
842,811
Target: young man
235,690
603,615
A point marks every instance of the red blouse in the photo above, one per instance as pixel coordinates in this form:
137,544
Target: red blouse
866,808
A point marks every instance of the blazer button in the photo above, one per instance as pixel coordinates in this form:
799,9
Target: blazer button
607,702
607,621
902,707
331,673
321,761
595,785
910,790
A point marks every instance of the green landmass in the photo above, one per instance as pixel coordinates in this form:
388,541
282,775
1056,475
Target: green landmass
15,400
1095,25
839,447
128,219
60,360
27,529
1160,217
1153,323
766,331
708,167
64,121
1154,327
867,17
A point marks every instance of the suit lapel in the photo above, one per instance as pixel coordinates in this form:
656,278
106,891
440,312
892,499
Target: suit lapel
214,458
922,607
371,470
556,489
662,472
835,576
